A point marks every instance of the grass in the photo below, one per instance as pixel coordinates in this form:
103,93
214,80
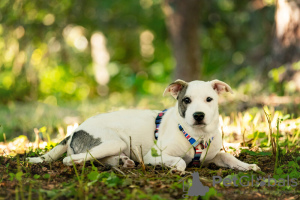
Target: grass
94,180
21,180
21,118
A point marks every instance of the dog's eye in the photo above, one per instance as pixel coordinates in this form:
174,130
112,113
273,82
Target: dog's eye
209,99
187,100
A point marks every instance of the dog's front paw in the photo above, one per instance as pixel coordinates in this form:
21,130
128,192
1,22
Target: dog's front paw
127,162
176,171
179,166
35,160
254,167
248,167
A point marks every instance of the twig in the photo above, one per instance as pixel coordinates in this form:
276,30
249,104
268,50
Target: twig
223,139
277,144
95,158
271,133
161,150
134,154
296,136
119,156
142,153
141,161
117,169
205,153
83,166
130,147
75,169
244,137
5,152
132,173
4,138
37,137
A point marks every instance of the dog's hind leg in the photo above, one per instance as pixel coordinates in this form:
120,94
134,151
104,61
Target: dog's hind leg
122,159
52,155
105,149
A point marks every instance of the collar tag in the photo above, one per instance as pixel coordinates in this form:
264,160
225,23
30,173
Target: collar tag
195,144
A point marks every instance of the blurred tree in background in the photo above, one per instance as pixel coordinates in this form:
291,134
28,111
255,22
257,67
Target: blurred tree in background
74,50
46,48
182,19
286,51
287,39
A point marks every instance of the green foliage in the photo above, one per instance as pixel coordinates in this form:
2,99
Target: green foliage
36,176
154,152
111,180
46,176
93,175
211,193
277,83
252,153
40,58
49,193
17,176
11,176
45,50
292,170
34,153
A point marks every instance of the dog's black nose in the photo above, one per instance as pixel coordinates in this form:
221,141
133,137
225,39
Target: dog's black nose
198,116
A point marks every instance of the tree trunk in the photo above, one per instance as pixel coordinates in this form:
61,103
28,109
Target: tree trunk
286,48
287,41
182,23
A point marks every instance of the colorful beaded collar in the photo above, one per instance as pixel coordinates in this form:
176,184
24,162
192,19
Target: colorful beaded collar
199,146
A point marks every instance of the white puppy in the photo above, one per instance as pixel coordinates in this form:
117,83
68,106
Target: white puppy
188,132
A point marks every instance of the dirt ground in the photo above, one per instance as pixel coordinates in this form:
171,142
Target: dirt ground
21,180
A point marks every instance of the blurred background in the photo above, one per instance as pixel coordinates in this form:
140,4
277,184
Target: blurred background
64,61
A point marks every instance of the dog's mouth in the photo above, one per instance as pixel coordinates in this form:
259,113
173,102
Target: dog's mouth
199,124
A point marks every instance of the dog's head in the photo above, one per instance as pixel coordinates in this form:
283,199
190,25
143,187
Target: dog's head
197,100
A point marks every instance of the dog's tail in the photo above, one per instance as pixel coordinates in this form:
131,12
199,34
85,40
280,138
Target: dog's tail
52,155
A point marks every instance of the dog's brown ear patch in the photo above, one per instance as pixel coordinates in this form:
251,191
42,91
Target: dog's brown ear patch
220,86
175,88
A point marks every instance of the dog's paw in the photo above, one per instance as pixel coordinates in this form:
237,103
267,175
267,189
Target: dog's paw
177,171
127,162
248,167
69,160
179,166
35,160
254,167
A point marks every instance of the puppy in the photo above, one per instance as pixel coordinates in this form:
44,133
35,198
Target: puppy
187,133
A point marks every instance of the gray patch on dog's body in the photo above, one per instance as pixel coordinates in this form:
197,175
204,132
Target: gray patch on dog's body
181,105
64,141
82,141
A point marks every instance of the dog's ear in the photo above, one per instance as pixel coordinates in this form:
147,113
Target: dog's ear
175,88
220,86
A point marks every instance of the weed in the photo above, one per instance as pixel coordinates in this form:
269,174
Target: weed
271,139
